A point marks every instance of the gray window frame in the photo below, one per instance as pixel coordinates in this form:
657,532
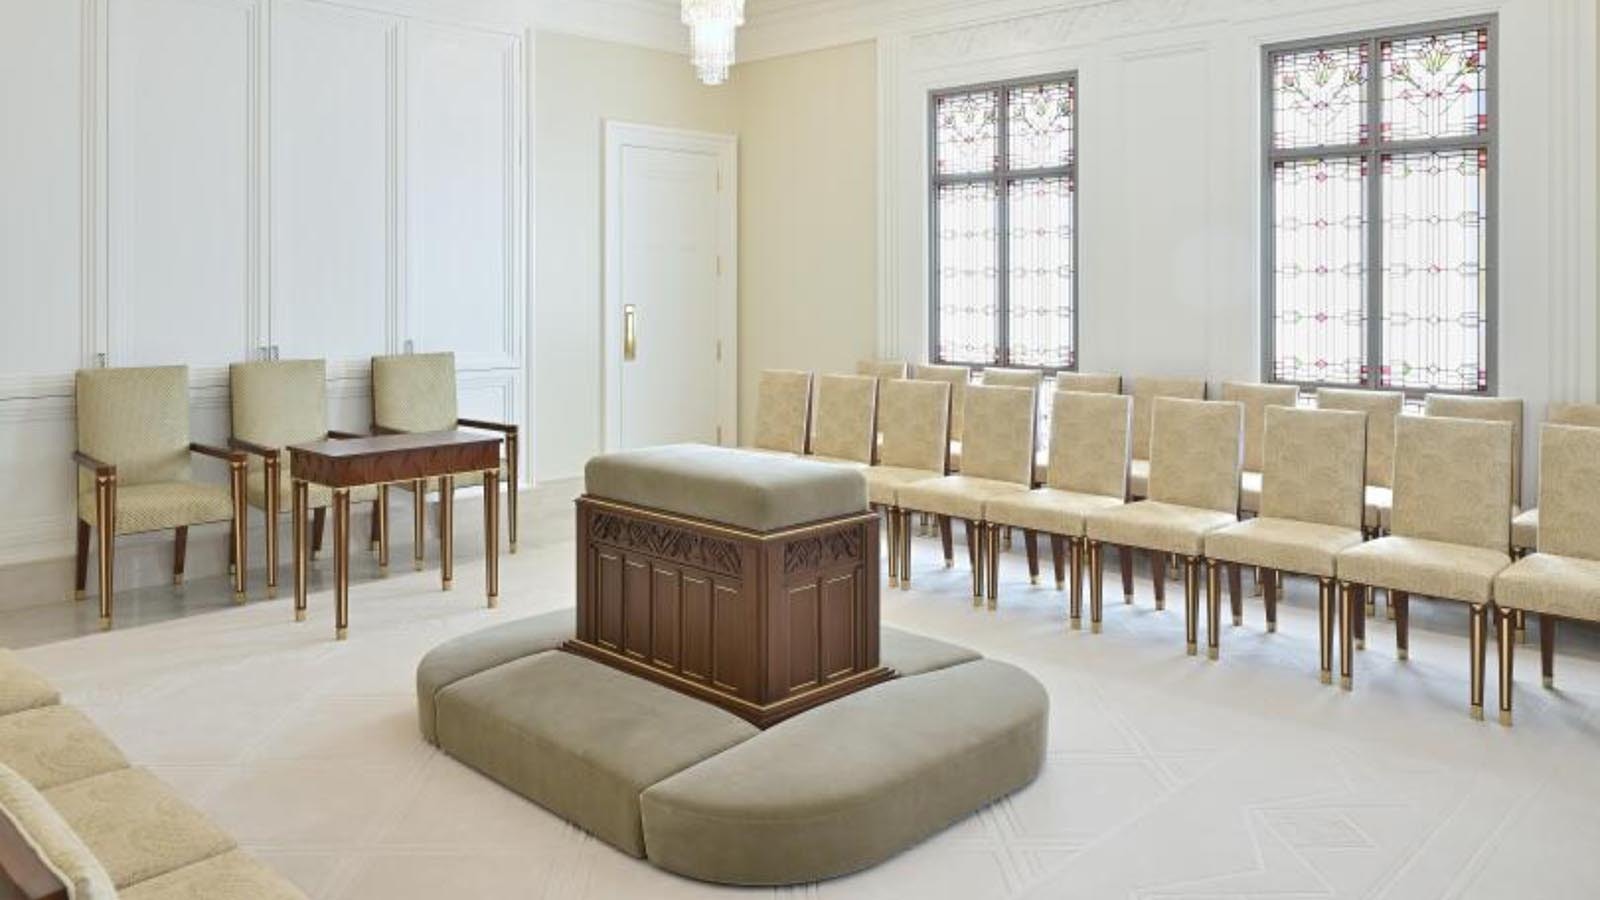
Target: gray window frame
1372,151
1001,177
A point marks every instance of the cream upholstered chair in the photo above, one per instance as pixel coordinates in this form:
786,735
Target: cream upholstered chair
783,411
1489,409
416,392
958,377
844,419
276,404
1562,579
1194,489
882,368
1313,470
1088,382
1089,441
1145,392
1525,526
1255,398
1000,440
1024,378
914,418
134,476
1450,532
1383,410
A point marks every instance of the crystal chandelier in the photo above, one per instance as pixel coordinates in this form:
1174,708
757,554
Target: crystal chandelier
711,27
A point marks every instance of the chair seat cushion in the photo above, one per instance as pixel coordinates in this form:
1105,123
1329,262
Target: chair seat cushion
756,491
136,826
55,745
851,782
21,687
884,482
1558,585
317,496
1139,478
1303,548
1250,492
1525,530
1429,568
161,505
234,875
580,738
957,496
1048,510
1157,526
1380,503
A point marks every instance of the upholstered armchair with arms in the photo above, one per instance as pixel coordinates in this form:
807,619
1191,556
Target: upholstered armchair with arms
134,455
416,392
276,404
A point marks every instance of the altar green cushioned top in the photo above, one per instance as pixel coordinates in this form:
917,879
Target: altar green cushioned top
756,491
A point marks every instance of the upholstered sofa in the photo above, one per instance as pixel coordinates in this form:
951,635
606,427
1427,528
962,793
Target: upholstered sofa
73,810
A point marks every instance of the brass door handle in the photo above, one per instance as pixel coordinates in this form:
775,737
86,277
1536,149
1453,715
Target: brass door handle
630,332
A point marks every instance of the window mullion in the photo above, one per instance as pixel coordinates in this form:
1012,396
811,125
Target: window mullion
1374,235
1002,325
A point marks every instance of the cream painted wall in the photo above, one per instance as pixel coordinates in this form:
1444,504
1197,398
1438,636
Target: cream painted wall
808,202
578,84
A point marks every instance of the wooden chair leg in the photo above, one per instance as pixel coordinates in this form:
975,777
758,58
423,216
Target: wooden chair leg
1325,616
419,523
1547,649
80,582
1191,603
180,550
1347,616
376,531
1269,599
1235,586
1158,577
1075,603
1213,607
1096,582
1522,626
233,548
1478,645
992,558
975,557
106,530
1400,602
891,521
1030,540
905,549
1058,544
1506,621
947,541
319,522
1364,595
1125,560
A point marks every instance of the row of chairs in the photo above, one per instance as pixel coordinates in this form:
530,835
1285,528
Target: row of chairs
1439,525
134,448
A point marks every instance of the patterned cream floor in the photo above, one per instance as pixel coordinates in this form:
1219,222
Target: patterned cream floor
1167,776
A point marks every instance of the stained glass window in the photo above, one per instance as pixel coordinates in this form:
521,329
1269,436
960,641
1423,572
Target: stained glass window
1378,237
1004,237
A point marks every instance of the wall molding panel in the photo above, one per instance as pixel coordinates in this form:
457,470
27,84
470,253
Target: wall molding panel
242,179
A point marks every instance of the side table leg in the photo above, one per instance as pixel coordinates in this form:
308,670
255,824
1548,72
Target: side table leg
383,528
491,536
298,508
341,562
447,492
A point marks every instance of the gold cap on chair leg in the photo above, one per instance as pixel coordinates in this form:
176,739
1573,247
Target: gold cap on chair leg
105,623
79,595
272,591
1325,677
1403,654
894,582
299,615
1476,712
1194,649
177,580
340,634
1061,584
513,547
238,596
1076,623
1505,717
1094,627
1344,682
1211,653
1033,579
1361,643
1549,681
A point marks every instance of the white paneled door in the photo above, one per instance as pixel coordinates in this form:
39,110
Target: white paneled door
669,287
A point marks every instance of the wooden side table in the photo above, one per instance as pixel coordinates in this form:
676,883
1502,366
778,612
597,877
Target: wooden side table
384,460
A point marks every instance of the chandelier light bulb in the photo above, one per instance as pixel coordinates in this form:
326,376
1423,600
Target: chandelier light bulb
712,24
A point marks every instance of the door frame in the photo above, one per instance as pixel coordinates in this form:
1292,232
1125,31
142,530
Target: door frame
725,147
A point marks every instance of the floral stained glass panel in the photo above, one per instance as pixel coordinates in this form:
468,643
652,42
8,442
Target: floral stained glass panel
967,133
1435,86
1435,270
1039,287
1319,270
1319,97
1039,125
968,272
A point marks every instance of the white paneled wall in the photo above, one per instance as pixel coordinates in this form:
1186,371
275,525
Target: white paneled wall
211,181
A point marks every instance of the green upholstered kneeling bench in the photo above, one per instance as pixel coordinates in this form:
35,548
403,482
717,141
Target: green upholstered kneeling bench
701,792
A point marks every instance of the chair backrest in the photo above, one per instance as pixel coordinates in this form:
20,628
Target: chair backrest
1090,439
1584,415
279,402
1452,481
1145,391
1195,451
1314,466
1491,409
1088,382
914,417
958,377
1382,409
843,421
414,391
1024,378
1256,398
783,410
1000,434
136,419
882,368
1569,491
